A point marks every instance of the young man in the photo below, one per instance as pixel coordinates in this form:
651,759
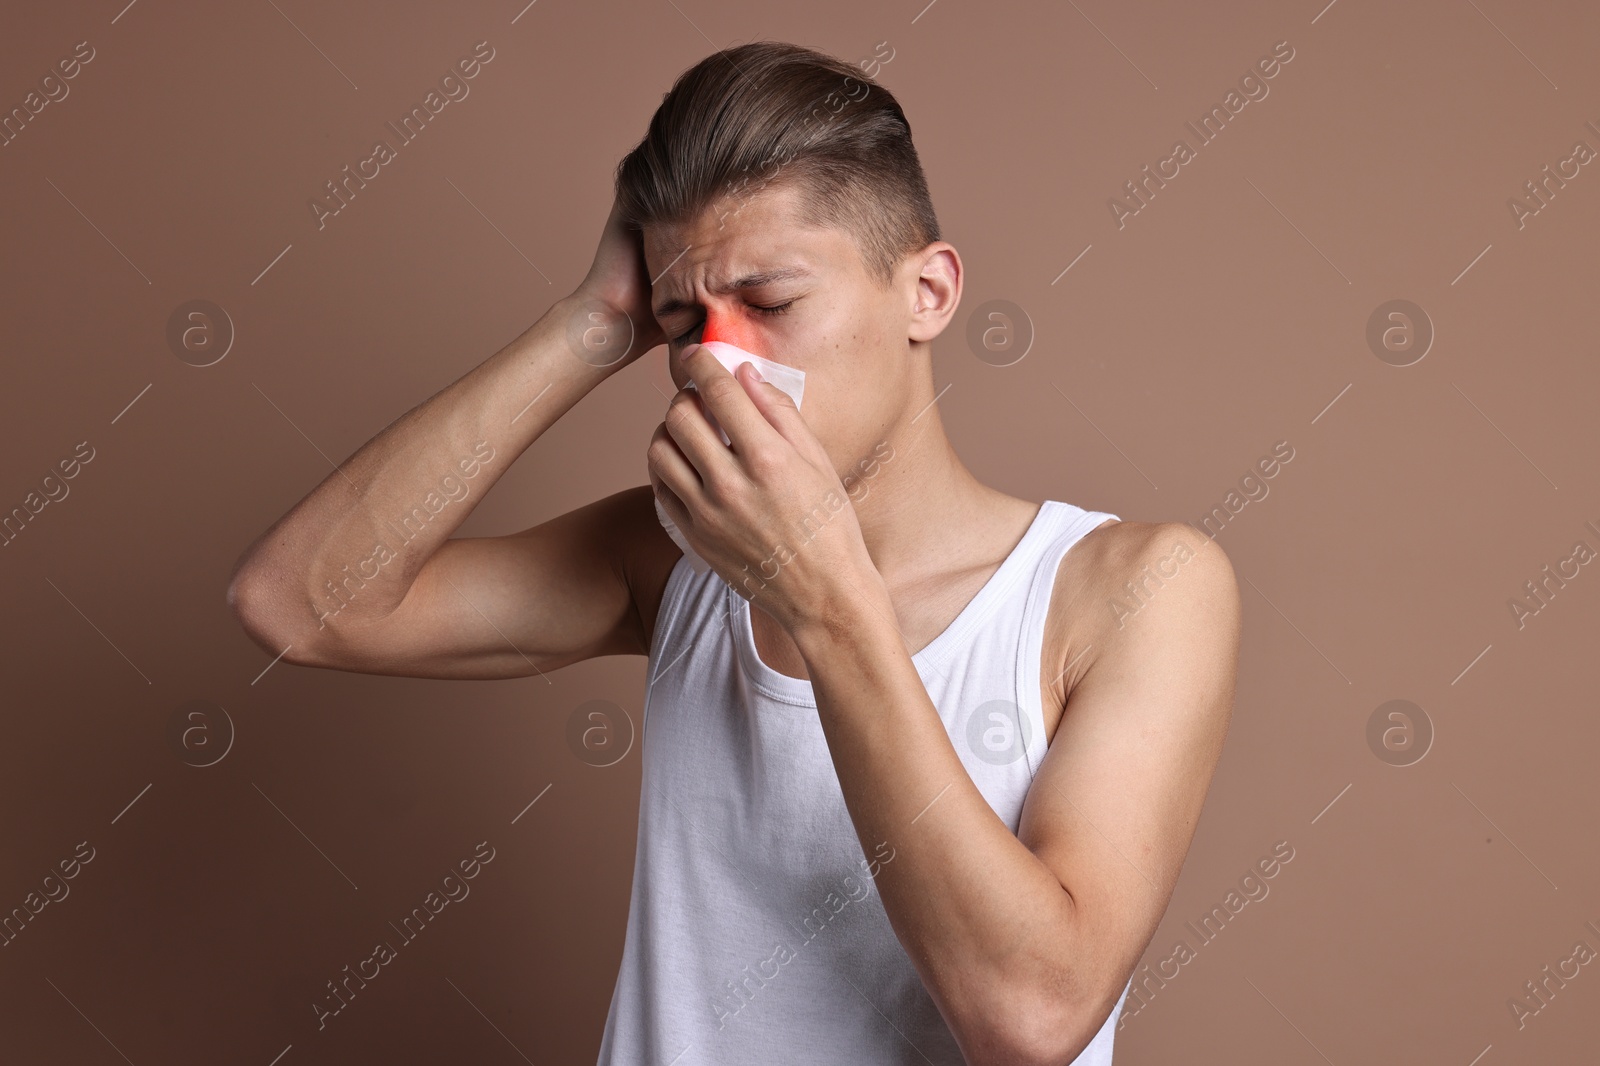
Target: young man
918,780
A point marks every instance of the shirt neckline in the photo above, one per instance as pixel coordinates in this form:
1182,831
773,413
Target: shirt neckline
798,691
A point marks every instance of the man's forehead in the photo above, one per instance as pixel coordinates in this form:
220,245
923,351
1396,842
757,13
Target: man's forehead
723,279
725,244
734,237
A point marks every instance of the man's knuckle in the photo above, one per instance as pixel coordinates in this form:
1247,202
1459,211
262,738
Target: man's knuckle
722,389
762,459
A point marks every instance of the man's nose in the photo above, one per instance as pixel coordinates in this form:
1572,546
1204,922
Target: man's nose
724,326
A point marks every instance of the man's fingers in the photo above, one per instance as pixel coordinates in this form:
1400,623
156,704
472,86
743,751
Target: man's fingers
687,427
727,400
669,468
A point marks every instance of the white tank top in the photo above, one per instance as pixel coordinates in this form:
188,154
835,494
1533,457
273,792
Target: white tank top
755,932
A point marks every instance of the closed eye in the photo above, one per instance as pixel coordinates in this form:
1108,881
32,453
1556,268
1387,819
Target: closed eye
777,309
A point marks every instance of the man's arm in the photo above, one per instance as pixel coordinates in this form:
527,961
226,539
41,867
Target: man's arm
1025,942
362,575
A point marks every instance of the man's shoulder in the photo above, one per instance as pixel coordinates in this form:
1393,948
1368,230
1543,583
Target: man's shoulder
1116,551
1119,569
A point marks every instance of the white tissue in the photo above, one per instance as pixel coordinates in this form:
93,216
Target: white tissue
786,378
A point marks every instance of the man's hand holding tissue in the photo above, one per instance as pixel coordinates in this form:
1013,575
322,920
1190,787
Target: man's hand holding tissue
767,511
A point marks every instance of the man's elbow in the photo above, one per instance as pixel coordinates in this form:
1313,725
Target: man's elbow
1033,1029
254,603
247,598
1053,1042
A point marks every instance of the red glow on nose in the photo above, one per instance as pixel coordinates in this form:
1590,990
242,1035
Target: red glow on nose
729,330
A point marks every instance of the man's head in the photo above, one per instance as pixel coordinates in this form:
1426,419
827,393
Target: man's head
783,206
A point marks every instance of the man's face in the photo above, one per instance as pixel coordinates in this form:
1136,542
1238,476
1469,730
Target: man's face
816,309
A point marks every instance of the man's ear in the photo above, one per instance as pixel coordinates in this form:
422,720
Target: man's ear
936,289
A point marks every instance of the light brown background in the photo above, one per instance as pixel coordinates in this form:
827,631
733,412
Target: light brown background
1228,315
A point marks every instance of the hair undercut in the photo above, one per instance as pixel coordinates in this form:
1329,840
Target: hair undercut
771,114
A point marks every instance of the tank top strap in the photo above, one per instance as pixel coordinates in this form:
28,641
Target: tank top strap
1068,524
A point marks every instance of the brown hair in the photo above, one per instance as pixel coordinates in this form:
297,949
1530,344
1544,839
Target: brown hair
770,113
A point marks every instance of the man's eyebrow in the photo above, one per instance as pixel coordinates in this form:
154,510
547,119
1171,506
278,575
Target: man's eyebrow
748,281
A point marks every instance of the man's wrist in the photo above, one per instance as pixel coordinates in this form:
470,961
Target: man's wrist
851,614
559,339
596,335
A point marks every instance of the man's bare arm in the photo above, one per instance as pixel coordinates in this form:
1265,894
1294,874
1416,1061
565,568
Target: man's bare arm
361,574
1024,941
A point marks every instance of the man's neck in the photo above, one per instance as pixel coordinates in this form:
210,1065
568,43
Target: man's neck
924,513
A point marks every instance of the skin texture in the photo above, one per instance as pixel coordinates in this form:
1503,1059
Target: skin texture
1023,941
